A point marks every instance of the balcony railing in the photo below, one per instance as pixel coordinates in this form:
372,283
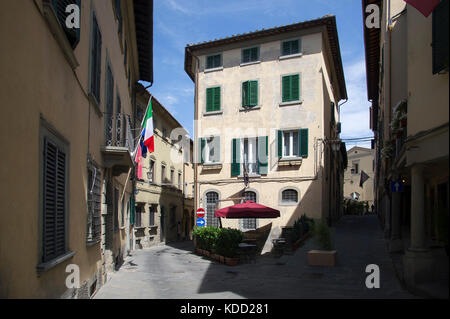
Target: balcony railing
118,131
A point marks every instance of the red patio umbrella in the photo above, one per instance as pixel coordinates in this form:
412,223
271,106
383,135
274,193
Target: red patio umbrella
248,209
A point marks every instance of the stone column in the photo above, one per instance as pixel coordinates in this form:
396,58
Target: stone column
417,261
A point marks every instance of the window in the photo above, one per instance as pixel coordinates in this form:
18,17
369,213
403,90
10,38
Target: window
292,143
290,88
109,106
213,99
440,37
249,93
164,132
54,197
59,7
163,174
214,61
251,153
94,204
172,179
151,172
139,211
210,149
355,167
152,212
249,223
179,180
250,55
212,199
96,60
290,47
289,196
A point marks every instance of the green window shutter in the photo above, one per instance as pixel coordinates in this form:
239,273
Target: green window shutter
201,148
216,100
280,143
286,89
254,54
235,157
209,62
295,46
253,93
245,93
295,87
286,48
209,99
132,210
263,155
303,142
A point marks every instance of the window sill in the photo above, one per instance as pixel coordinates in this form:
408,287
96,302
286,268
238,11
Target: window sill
220,68
212,166
249,176
212,113
250,63
291,103
139,227
288,204
290,56
290,161
249,108
92,243
43,267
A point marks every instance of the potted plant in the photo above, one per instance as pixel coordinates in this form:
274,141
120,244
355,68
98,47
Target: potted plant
227,244
325,255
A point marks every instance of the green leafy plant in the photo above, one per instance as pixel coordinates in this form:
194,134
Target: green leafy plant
227,241
322,235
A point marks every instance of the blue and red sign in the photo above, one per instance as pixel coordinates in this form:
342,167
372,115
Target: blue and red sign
200,213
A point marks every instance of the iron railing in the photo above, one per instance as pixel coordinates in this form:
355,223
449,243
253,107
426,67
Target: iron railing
118,130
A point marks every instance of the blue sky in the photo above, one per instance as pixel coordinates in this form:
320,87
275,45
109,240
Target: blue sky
180,22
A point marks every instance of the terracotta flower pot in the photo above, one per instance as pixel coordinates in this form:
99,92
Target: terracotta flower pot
207,253
231,261
222,259
198,251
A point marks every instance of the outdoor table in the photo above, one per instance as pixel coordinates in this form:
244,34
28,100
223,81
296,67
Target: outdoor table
248,251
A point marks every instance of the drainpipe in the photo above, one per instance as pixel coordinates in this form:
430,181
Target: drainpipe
196,184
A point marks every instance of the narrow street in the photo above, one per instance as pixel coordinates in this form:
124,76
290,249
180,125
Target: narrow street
174,271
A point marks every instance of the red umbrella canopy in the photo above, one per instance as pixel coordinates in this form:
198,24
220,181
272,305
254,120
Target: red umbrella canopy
248,209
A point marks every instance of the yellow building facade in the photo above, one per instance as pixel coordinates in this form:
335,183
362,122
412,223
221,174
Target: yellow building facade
68,96
267,108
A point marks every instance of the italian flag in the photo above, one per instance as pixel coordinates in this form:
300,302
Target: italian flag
148,128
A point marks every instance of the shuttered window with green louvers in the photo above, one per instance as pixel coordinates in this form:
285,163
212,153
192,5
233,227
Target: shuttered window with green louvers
214,61
290,88
250,55
213,99
54,201
290,47
59,7
249,93
440,43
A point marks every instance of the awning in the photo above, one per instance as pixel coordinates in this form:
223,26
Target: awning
248,209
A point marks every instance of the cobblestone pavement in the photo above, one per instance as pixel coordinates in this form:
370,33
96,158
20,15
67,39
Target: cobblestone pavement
174,271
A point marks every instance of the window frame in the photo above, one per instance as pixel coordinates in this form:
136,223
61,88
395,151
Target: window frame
282,202
258,55
291,144
93,165
46,130
249,106
300,89
291,55
214,67
243,221
95,96
219,111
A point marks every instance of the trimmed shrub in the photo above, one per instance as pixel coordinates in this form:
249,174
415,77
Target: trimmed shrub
228,241
322,235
